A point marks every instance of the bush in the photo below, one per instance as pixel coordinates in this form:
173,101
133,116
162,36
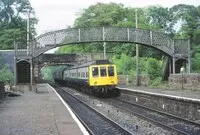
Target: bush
47,73
157,81
153,68
126,65
6,75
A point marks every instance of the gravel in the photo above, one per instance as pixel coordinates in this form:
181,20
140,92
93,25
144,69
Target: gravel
130,122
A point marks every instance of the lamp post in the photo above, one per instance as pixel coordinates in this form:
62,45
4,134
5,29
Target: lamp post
137,50
29,50
182,70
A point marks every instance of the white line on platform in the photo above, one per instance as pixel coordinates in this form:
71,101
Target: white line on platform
85,132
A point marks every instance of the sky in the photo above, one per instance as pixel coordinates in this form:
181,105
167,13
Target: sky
59,14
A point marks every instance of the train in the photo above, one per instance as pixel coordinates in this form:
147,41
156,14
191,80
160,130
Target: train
97,77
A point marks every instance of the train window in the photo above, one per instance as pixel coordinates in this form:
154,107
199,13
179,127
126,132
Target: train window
95,72
103,71
78,74
87,74
83,74
111,71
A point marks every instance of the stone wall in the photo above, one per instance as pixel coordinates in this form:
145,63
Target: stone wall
143,80
189,109
185,81
125,80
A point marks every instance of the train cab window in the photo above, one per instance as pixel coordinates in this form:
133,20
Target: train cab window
111,71
95,72
103,71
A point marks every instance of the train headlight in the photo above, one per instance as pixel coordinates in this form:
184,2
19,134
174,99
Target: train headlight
95,83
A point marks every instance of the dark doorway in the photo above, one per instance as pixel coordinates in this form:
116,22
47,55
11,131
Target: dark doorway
179,64
23,72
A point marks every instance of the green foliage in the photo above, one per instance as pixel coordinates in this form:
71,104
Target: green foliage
101,15
12,10
188,17
153,68
111,14
12,24
179,21
161,18
5,74
7,37
126,65
47,73
196,59
81,48
156,82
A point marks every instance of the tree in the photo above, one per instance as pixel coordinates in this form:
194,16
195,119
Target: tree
5,73
7,37
196,59
111,14
179,21
161,18
12,11
189,18
101,15
12,23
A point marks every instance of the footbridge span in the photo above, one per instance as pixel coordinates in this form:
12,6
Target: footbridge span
176,49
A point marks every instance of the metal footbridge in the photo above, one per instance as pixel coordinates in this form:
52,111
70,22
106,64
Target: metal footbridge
175,48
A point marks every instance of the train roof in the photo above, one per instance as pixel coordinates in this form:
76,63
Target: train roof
60,69
96,62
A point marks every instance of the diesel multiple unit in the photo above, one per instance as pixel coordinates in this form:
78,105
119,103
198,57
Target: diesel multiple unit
96,77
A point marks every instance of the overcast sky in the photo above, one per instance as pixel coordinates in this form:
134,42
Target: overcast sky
58,14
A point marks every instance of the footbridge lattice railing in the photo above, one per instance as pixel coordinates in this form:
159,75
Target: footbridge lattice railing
157,40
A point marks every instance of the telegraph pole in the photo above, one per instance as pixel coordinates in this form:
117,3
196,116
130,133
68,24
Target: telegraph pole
137,50
104,45
28,32
29,52
104,50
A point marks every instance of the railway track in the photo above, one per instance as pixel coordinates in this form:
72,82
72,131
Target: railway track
95,122
165,120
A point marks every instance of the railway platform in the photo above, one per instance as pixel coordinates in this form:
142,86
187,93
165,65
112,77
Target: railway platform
38,113
181,103
186,94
